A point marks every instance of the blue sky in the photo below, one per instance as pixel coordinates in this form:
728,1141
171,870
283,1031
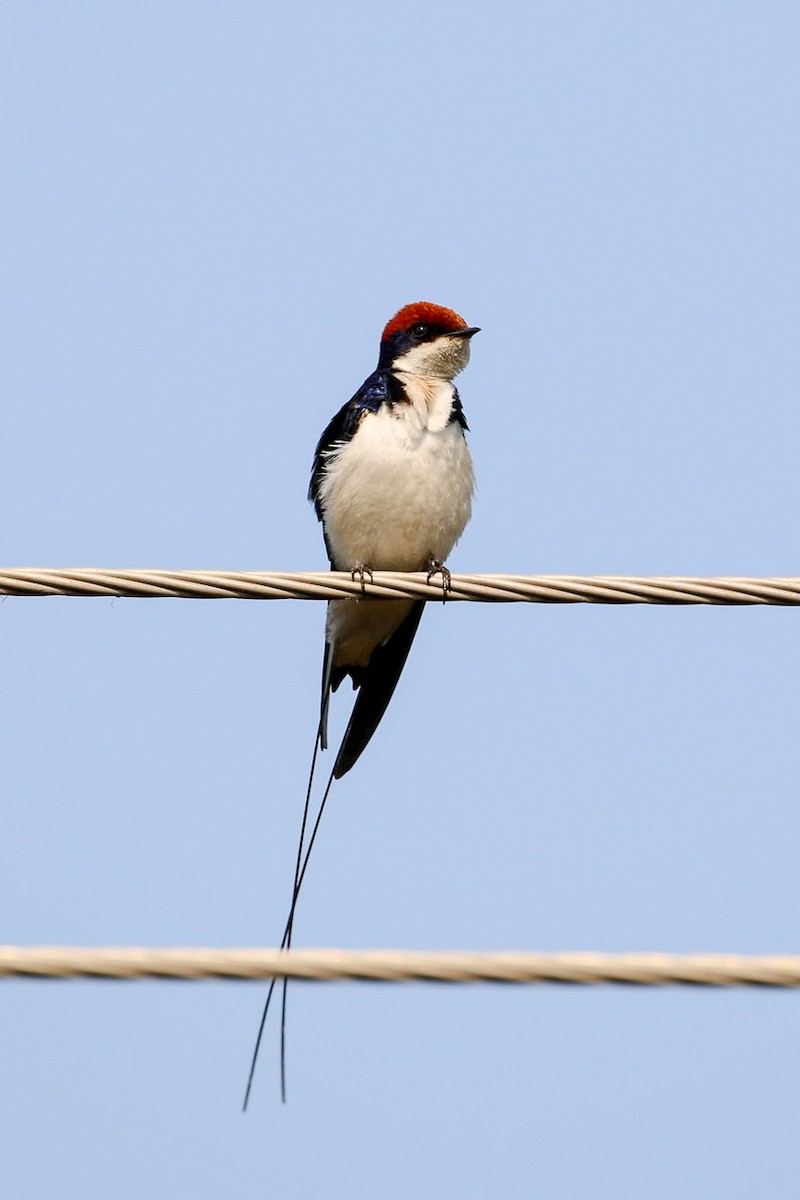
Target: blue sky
209,212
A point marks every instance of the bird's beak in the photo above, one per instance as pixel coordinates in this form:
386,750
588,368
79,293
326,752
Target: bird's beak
465,333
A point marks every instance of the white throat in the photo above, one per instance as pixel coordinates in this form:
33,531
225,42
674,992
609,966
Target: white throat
430,397
443,358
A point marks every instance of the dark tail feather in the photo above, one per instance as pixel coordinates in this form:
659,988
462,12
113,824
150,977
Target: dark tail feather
327,663
300,875
375,692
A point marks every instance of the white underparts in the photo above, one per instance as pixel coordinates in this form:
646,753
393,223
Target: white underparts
397,495
400,491
355,627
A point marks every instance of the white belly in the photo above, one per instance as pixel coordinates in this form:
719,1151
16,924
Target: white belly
400,492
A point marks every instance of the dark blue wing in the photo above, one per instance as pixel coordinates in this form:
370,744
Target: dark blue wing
373,392
457,413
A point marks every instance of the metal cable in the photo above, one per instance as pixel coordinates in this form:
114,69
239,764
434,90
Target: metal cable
391,585
394,966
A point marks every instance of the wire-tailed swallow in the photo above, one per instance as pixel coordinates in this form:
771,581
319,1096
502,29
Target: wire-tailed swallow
392,483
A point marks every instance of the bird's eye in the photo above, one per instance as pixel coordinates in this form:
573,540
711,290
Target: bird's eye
420,331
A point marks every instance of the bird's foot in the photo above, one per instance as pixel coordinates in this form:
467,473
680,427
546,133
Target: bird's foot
437,568
361,571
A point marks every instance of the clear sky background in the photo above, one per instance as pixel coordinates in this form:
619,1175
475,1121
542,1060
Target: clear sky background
208,213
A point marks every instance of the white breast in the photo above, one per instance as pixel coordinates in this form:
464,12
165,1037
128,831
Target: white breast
400,491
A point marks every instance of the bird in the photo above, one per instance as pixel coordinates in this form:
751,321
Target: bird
392,482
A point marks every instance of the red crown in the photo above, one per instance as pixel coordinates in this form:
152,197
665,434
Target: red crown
423,313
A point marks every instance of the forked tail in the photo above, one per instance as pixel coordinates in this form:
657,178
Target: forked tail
376,684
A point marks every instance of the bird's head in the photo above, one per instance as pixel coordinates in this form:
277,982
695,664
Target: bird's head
426,339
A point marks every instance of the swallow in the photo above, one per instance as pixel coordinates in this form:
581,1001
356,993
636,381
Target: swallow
392,483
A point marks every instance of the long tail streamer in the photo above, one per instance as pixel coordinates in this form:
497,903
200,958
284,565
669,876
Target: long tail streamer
301,865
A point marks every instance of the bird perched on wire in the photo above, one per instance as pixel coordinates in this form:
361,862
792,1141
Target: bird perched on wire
392,483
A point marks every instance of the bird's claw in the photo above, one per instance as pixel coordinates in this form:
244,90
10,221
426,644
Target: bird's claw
437,568
361,571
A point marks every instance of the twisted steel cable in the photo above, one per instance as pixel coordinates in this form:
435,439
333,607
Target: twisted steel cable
397,585
709,970
395,966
